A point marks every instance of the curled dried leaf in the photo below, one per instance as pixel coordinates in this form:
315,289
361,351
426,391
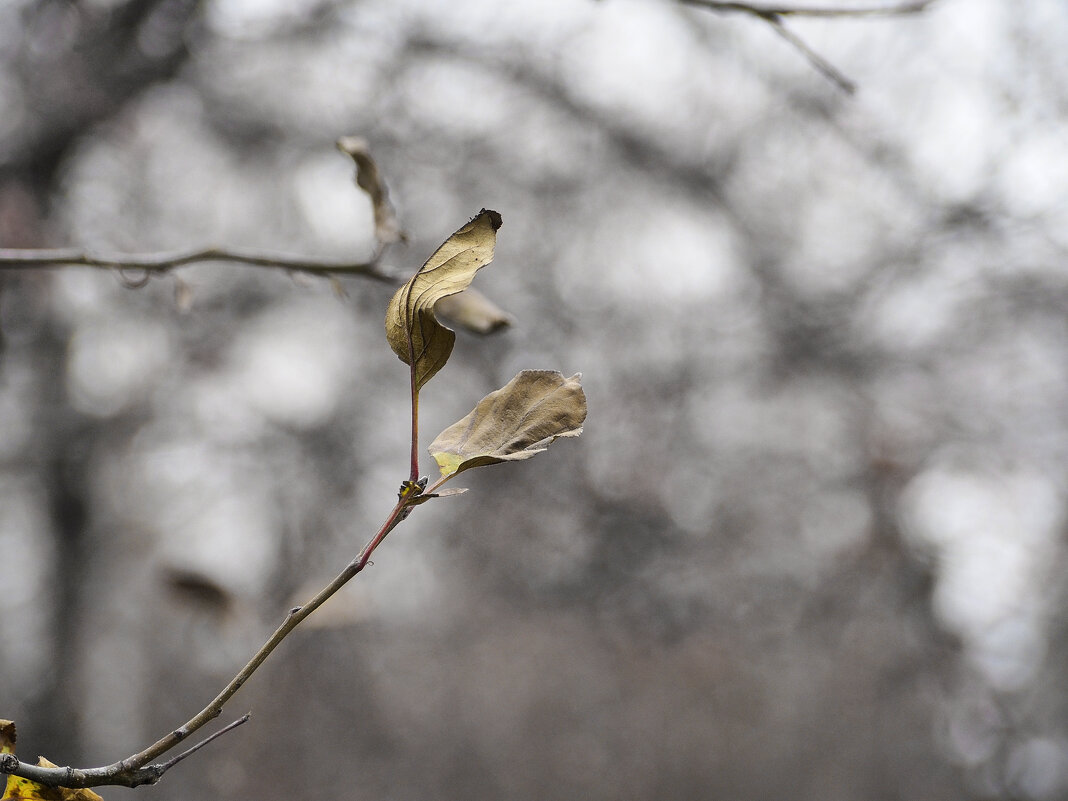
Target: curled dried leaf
387,227
413,331
515,422
474,311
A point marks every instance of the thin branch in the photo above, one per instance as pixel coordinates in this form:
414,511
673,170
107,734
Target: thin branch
160,263
773,16
765,12
170,763
136,770
818,62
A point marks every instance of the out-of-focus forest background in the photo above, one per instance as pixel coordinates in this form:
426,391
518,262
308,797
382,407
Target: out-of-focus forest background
811,545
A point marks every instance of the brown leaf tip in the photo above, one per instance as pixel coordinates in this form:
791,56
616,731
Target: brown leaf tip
494,217
352,145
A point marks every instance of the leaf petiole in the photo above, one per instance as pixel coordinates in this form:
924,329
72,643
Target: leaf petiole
414,475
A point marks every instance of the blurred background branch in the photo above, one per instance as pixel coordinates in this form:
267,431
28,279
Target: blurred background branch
770,11
160,263
773,15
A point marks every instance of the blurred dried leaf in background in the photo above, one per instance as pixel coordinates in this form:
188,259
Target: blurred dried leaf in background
387,226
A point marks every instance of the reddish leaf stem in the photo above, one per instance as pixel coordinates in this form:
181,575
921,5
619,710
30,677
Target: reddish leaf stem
415,423
412,371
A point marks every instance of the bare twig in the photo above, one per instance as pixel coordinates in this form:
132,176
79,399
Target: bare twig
773,16
161,263
139,769
170,763
764,12
818,62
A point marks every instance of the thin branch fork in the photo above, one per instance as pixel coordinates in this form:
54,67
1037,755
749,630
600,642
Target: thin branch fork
161,263
139,769
123,777
818,62
773,15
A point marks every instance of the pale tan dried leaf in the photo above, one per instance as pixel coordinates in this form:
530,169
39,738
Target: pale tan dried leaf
472,310
515,422
413,331
387,227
